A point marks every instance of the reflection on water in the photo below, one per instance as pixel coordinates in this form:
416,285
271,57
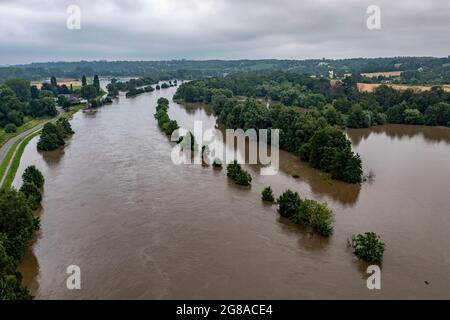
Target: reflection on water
402,131
141,227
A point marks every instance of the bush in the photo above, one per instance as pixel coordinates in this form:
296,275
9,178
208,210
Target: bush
368,247
317,215
243,178
217,164
267,194
33,175
233,169
289,204
10,128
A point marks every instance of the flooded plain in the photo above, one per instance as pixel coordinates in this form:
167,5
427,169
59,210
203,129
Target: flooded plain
140,227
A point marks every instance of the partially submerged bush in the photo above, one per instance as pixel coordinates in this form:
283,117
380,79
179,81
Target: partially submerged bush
240,176
267,194
368,247
310,212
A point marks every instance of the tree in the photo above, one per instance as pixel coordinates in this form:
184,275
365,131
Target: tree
318,216
413,116
217,164
51,138
368,247
11,287
30,190
33,175
243,178
89,92
267,194
346,166
21,88
358,118
16,221
289,204
233,169
83,81
53,82
96,83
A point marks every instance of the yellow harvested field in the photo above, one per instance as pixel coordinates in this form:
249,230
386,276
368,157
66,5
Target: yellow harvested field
369,87
75,83
384,74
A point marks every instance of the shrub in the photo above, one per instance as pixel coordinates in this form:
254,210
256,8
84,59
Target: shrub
33,175
10,128
317,215
243,178
233,169
217,164
289,204
267,194
368,247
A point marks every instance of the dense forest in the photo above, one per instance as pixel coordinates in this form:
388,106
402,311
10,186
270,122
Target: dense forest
19,99
341,104
415,70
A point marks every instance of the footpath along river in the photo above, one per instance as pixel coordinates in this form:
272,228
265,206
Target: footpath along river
140,227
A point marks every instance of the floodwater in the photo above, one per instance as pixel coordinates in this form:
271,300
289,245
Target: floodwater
140,227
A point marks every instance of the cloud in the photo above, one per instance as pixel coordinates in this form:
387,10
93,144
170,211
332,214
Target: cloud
226,29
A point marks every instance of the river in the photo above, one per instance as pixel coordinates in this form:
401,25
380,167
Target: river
140,227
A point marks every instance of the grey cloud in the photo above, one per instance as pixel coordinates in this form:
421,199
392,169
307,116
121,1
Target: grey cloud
202,29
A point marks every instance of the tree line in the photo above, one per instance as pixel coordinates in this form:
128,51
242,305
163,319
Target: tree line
341,103
17,225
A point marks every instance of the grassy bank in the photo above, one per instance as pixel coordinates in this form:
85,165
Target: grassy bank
4,136
17,149
16,160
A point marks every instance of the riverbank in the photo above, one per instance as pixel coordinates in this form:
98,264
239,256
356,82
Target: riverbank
11,160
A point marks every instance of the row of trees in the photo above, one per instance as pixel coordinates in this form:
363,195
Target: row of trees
167,125
239,175
17,225
350,107
53,135
309,134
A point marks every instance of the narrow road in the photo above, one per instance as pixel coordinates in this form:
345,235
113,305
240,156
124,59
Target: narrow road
5,148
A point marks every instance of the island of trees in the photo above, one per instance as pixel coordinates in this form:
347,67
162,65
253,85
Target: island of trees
53,135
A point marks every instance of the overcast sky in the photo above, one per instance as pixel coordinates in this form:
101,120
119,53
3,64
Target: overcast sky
34,31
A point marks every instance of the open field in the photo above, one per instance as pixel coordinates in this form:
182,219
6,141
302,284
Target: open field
369,87
74,82
384,74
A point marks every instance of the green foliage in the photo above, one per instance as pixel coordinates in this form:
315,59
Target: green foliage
413,116
307,211
308,134
358,118
33,175
31,190
289,204
267,194
52,136
10,280
96,83
368,247
243,178
239,175
167,125
233,169
16,221
21,88
89,92
217,164
10,128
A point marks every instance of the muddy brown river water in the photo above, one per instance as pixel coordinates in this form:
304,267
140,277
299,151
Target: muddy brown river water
140,227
